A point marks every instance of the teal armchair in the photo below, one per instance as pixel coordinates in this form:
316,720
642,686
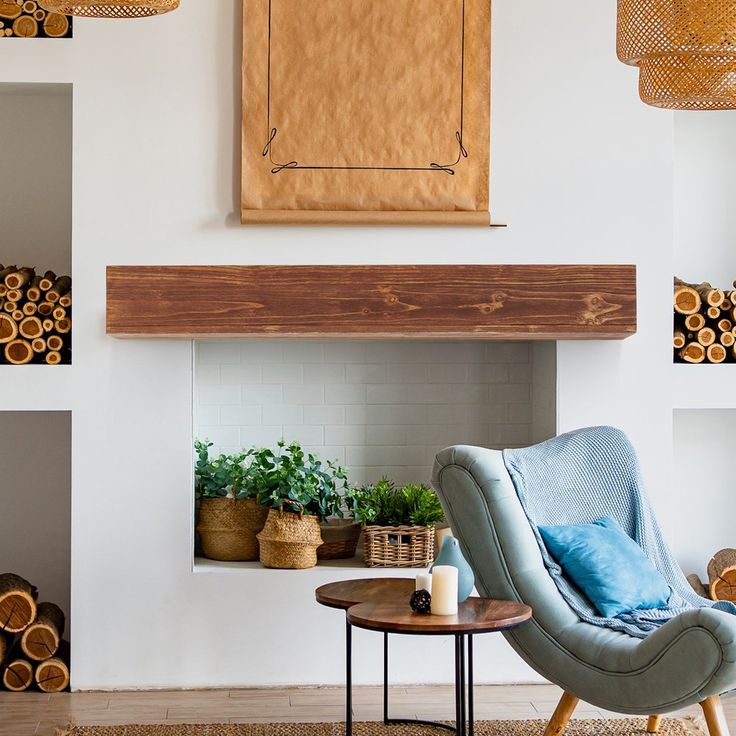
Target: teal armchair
690,659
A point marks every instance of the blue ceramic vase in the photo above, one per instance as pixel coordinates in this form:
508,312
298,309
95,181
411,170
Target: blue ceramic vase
450,554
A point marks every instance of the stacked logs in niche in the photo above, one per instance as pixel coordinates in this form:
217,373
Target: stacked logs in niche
32,651
705,323
721,585
35,317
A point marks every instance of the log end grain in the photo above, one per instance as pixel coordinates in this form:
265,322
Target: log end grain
52,676
18,675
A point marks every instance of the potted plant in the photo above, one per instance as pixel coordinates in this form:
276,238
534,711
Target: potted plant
230,517
301,492
399,524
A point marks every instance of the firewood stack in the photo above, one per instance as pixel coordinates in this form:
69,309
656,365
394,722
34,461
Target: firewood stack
721,585
705,323
32,652
35,316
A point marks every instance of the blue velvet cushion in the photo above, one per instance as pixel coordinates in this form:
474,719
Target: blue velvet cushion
607,565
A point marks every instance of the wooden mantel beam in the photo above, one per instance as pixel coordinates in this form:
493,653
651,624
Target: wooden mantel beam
485,302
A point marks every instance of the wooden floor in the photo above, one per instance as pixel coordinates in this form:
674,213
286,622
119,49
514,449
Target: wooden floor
36,714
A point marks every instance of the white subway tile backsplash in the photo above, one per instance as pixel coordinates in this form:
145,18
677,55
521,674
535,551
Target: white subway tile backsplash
241,373
324,414
379,407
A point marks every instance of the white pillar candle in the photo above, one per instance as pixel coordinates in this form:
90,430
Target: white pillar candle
424,582
444,590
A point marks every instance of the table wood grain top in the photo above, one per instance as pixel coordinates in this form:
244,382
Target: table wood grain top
474,616
347,593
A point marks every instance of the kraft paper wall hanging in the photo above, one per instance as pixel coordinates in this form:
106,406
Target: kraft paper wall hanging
366,112
27,19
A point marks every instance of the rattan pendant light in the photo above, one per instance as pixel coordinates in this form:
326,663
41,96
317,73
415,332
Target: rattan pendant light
110,8
685,51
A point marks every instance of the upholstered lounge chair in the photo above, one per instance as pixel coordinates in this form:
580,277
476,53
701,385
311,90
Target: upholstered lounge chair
690,659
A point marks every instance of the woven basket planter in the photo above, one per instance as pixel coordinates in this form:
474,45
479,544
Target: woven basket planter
340,537
398,546
228,527
289,541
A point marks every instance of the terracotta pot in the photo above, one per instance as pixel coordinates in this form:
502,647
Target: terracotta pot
228,527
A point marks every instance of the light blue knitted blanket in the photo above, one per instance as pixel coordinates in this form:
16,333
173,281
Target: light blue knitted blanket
580,477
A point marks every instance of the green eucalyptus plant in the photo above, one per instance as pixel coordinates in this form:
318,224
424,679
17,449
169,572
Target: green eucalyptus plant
293,480
382,504
219,477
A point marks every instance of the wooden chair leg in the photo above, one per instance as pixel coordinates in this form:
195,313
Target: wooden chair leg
714,716
653,724
561,716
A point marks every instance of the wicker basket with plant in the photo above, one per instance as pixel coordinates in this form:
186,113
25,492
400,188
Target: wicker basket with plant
230,517
301,491
399,523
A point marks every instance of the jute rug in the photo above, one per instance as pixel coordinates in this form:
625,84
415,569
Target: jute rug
622,727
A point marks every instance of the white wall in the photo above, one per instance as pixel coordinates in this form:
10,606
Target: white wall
380,408
705,190
36,176
581,172
35,500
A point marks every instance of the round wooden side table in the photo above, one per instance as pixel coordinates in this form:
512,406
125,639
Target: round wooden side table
382,605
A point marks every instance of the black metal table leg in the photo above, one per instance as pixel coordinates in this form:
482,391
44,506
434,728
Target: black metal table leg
458,688
348,678
471,695
462,685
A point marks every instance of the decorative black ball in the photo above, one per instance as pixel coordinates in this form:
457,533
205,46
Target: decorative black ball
421,601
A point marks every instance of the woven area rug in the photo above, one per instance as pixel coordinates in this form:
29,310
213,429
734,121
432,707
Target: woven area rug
622,727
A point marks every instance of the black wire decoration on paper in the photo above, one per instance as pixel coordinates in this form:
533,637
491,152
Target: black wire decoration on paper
448,168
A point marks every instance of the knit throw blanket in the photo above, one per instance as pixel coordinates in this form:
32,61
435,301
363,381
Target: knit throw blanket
580,477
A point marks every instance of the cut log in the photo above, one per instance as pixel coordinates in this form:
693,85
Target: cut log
19,278
29,308
17,603
61,286
18,352
48,325
38,345
18,315
14,295
725,325
66,300
47,281
33,292
722,575
54,342
697,585
8,328
42,638
4,647
712,297
716,353
63,326
9,306
18,675
727,339
46,308
52,675
7,271
53,357
706,336
686,299
59,313
678,339
693,352
713,312
31,328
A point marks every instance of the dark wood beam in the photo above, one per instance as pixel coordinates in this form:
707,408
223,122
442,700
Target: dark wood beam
506,302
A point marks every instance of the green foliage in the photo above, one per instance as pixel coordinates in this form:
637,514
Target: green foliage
219,477
383,504
294,480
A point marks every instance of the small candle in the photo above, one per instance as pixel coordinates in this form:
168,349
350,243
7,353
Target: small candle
444,590
424,582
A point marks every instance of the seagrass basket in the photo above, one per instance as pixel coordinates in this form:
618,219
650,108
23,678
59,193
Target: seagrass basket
340,539
289,540
228,527
398,546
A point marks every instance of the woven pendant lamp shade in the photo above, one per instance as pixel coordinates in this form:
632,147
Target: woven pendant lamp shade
110,8
685,51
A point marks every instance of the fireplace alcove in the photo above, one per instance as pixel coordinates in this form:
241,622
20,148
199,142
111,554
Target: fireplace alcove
400,361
